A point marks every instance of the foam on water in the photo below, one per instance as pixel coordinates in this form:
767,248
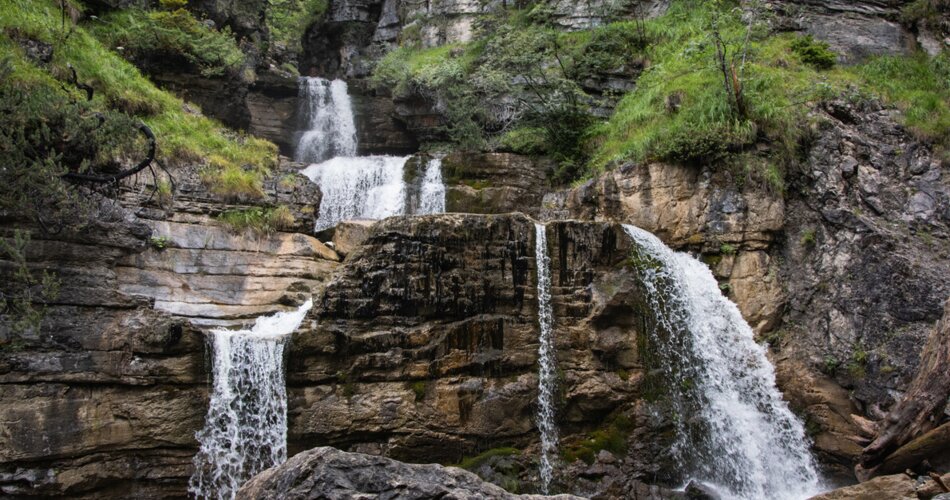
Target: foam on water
746,442
245,428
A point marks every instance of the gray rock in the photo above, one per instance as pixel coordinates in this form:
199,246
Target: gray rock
328,473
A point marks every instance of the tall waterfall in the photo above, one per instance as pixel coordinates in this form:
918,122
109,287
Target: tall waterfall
546,361
245,429
734,431
331,130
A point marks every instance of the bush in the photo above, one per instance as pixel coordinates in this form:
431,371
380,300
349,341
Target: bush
166,38
288,19
813,52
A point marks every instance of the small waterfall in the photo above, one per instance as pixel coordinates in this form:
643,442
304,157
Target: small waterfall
245,429
364,187
546,362
331,130
432,194
734,431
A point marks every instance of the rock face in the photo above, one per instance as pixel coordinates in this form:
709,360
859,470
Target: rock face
855,30
848,273
494,182
696,209
104,400
424,345
328,473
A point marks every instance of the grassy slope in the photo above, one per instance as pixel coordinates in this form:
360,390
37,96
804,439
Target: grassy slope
680,58
183,136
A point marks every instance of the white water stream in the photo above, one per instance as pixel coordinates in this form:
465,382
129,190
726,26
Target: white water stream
546,361
245,429
331,129
735,433
357,187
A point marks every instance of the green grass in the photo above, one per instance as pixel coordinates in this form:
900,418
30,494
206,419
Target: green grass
918,85
257,219
471,463
169,38
183,137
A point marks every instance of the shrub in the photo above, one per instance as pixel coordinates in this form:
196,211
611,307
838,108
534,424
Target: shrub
288,19
162,38
613,438
814,52
23,292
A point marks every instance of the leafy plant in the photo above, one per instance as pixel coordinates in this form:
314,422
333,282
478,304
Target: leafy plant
813,52
24,292
161,38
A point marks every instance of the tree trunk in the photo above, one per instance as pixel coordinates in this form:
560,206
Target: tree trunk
922,407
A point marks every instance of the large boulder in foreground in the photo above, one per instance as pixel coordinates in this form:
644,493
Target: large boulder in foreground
328,473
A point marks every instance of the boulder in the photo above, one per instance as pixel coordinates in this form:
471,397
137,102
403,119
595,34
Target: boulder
328,473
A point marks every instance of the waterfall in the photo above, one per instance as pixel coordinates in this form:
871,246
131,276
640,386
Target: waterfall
546,362
734,431
356,187
432,193
328,114
245,429
363,187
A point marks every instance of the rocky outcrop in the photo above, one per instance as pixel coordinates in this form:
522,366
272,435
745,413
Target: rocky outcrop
424,346
696,209
854,30
333,474
484,183
865,254
897,487
847,272
104,399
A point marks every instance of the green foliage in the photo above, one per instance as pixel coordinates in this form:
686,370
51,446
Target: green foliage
183,136
257,219
23,291
45,133
471,463
172,4
159,242
809,238
727,249
418,388
920,86
168,38
814,52
525,140
927,13
288,19
613,438
830,365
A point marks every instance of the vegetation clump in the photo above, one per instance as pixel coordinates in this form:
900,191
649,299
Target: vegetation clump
259,220
612,437
166,38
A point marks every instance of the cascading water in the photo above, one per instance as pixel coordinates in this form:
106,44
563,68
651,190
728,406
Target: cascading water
366,187
331,130
546,361
245,429
432,193
362,187
734,432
